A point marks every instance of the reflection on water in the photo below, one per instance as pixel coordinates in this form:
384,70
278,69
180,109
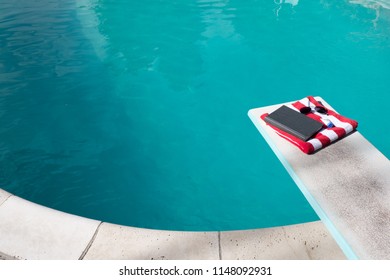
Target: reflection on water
377,6
147,37
373,4
216,16
54,126
281,3
89,26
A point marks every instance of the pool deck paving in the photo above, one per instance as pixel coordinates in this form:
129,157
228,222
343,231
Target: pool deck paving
30,231
34,232
347,184
4,196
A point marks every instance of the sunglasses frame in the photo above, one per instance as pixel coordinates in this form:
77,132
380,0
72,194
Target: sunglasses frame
319,109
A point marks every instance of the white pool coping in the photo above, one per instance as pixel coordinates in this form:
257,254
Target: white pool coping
34,232
347,184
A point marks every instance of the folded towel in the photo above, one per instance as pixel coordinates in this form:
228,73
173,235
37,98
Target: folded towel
335,126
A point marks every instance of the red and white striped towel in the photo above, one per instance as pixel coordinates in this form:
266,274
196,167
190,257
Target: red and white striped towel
327,135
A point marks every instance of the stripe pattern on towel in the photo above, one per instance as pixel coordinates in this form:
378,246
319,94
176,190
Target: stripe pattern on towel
342,126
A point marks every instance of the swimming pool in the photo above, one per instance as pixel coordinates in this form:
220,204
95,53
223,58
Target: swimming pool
135,112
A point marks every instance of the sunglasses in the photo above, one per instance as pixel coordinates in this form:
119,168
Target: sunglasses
319,109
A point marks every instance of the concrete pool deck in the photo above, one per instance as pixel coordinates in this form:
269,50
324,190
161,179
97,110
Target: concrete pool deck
34,232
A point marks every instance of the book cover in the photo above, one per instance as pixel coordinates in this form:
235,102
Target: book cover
294,122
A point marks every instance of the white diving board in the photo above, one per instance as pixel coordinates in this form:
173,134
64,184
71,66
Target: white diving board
346,183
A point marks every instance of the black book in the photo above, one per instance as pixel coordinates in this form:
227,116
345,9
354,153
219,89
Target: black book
294,123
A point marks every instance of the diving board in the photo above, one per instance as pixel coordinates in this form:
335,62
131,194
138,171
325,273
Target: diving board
347,184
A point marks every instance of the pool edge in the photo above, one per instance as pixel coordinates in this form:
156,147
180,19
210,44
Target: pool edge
35,232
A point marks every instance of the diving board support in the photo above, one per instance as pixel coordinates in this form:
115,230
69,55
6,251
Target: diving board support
347,184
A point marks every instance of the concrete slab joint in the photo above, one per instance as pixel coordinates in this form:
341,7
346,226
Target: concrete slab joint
31,231
4,196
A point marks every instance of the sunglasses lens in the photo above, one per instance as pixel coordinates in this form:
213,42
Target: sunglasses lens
321,110
305,110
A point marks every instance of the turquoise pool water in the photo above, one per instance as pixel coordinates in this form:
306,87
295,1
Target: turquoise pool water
135,112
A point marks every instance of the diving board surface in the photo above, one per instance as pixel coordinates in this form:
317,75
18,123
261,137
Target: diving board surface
346,183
